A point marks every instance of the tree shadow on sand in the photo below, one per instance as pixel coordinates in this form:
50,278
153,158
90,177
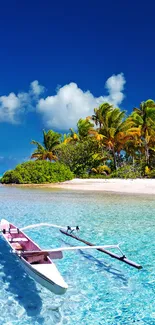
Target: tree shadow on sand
19,283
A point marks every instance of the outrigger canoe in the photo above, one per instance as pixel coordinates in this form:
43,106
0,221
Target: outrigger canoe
39,266
38,263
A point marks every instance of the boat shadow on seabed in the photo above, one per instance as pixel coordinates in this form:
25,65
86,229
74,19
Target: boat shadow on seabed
116,273
19,283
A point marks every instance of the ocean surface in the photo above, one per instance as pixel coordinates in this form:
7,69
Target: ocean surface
101,290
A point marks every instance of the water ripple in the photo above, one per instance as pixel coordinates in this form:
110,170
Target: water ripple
102,291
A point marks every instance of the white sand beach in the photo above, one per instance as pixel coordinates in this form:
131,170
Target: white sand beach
141,186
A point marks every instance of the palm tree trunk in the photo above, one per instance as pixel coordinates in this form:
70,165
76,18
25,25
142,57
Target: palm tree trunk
146,146
114,157
147,155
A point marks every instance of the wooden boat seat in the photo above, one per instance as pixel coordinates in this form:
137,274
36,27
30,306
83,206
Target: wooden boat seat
19,239
14,231
16,246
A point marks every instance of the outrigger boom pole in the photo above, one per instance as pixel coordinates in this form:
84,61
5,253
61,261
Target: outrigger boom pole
68,231
113,255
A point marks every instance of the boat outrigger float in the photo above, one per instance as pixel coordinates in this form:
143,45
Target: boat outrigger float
38,263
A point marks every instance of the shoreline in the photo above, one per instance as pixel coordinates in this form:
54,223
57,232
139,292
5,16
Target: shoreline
132,186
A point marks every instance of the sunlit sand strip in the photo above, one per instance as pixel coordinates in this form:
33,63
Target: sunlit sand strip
141,186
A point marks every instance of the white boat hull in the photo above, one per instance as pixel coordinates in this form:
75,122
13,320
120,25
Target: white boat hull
42,280
45,273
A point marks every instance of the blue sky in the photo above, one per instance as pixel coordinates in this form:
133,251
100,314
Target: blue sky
58,60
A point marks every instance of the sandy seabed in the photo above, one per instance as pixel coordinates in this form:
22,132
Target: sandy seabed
141,186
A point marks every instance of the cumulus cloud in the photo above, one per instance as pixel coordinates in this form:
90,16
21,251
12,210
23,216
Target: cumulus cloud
115,86
63,110
36,89
13,105
9,105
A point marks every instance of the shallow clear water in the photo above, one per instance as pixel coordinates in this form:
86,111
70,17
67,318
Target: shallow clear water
101,290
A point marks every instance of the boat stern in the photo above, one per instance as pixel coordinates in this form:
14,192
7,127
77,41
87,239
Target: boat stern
49,276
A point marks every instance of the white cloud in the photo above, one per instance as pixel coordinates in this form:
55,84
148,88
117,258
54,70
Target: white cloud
63,110
36,89
13,105
9,106
115,86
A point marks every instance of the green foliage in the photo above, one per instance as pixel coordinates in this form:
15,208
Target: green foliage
98,176
75,156
124,139
100,113
147,171
151,174
12,176
84,128
46,151
38,172
117,146
102,170
144,118
95,176
127,171
80,157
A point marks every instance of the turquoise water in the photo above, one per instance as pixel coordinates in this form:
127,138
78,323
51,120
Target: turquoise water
101,290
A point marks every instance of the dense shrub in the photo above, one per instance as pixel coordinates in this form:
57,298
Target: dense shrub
102,170
38,172
78,157
81,157
127,171
95,176
151,174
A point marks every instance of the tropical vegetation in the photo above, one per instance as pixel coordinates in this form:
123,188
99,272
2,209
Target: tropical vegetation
107,144
37,172
46,150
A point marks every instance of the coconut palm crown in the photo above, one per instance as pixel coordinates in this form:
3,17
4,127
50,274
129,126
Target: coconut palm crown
144,118
51,141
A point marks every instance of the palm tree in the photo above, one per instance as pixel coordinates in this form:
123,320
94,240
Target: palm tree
116,131
132,146
85,128
71,137
144,118
100,113
51,141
